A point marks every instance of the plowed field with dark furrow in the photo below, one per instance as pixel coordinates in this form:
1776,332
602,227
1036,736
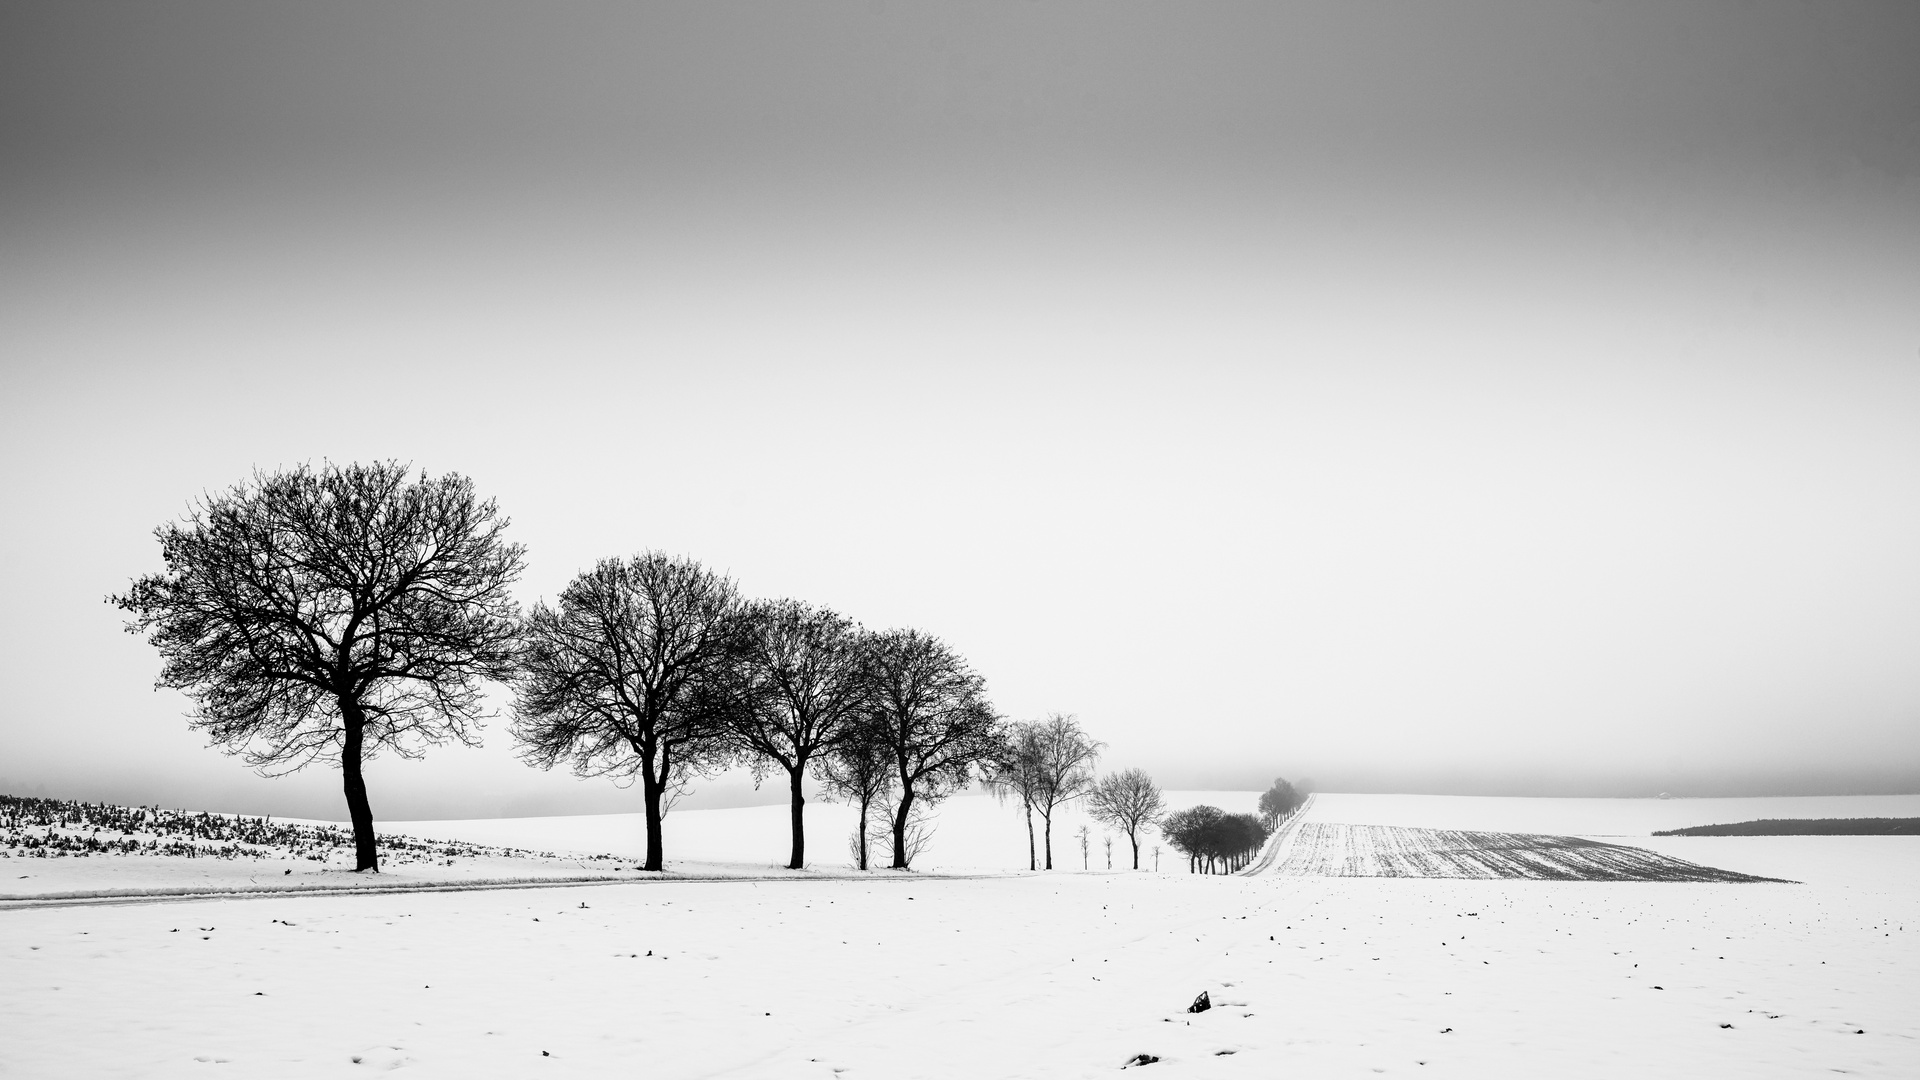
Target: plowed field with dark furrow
1322,849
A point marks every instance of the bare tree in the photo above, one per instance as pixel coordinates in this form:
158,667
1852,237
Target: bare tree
1086,859
803,694
1014,773
1128,801
1063,768
936,719
629,675
1106,840
328,615
1193,832
860,771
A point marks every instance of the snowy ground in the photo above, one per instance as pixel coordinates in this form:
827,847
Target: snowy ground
971,834
1060,975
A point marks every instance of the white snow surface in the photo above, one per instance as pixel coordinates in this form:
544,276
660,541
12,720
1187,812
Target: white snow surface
971,832
1066,974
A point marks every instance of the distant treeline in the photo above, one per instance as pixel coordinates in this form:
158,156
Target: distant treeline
1859,826
1214,841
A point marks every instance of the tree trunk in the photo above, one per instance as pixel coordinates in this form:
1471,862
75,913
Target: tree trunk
799,858
366,850
1046,816
866,803
1033,860
652,788
1131,839
900,827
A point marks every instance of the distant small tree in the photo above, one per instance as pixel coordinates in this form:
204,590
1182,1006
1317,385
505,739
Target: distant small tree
1128,801
1106,840
1063,768
937,724
1086,859
328,615
630,674
1278,801
859,770
800,693
1014,773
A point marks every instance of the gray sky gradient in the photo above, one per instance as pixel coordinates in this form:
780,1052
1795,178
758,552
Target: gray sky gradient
1479,397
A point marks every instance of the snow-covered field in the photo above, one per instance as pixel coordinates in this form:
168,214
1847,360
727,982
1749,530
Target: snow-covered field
1592,817
1002,975
1320,849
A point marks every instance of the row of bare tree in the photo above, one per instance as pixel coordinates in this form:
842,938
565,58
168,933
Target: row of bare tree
1048,763
329,614
655,667
1213,840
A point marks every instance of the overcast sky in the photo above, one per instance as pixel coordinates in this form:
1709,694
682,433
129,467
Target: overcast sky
1516,397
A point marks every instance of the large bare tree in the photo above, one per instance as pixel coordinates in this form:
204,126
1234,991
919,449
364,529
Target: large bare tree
802,694
1128,801
330,614
936,722
628,675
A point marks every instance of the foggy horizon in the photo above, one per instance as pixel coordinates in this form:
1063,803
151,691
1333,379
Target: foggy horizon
1473,398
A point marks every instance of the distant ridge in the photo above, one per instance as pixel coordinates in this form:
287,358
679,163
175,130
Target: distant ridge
1866,826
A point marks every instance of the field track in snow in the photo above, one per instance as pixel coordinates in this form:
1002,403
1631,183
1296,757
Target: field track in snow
1324,849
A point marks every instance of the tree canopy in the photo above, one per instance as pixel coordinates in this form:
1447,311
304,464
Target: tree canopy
329,614
1013,773
628,675
1128,801
801,693
1045,764
1212,839
933,718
